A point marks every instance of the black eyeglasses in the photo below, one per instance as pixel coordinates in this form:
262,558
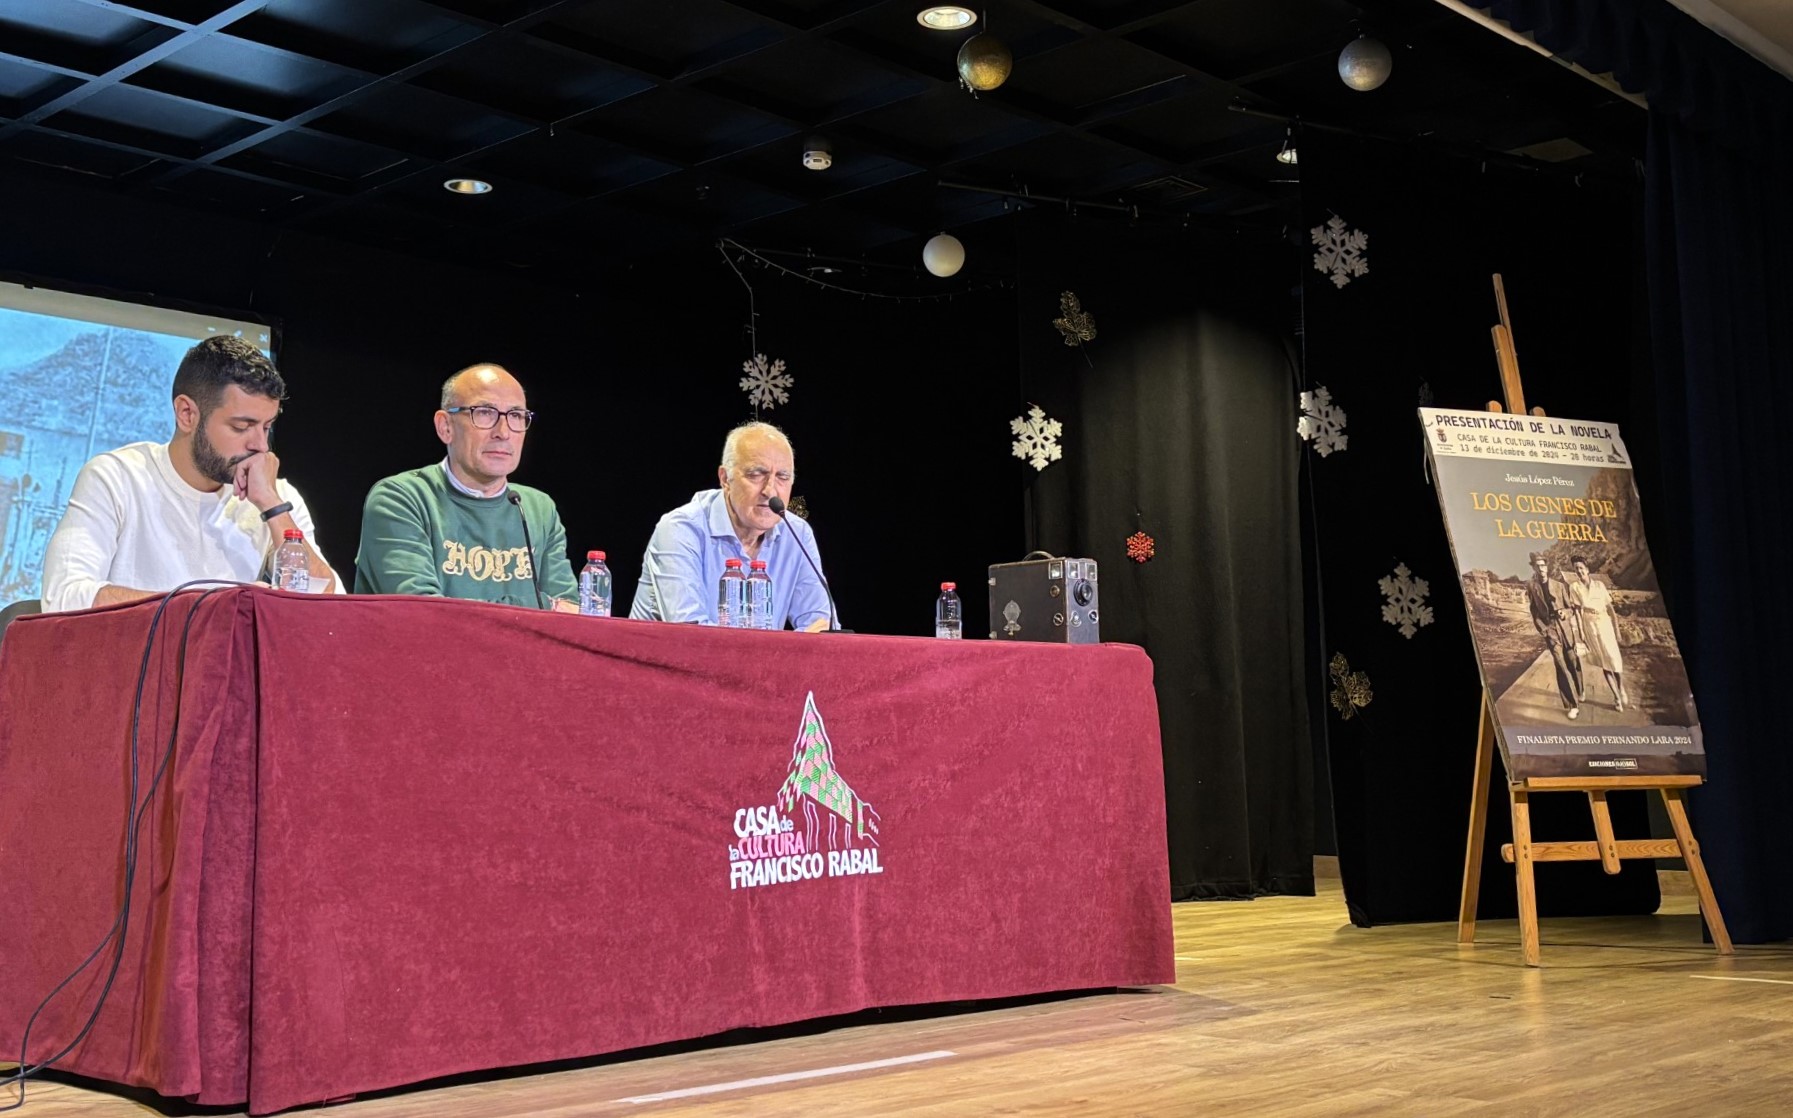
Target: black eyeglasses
485,417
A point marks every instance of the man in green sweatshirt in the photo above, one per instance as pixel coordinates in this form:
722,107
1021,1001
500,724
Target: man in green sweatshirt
455,528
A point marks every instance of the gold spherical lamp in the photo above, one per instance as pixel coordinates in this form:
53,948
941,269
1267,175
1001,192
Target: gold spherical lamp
984,63
1365,64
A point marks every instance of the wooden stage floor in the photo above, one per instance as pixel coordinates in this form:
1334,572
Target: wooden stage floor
1281,1008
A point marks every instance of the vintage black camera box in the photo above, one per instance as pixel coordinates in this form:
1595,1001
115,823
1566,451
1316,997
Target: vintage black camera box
1052,600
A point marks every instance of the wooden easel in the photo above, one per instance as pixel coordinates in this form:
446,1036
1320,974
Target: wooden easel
1607,850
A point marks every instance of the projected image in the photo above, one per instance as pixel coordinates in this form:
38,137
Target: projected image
78,375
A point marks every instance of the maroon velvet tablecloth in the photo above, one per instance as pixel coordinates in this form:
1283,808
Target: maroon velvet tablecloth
403,838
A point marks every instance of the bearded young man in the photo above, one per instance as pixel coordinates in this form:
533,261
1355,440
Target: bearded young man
208,504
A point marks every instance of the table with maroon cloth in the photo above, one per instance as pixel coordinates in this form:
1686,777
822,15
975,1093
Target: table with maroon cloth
403,838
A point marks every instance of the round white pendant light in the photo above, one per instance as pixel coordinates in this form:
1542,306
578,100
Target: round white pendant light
943,255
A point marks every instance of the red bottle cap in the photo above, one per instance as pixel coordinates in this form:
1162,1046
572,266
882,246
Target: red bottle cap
949,586
294,534
598,555
731,564
759,564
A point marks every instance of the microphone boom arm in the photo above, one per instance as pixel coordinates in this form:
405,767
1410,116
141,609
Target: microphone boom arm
516,499
776,504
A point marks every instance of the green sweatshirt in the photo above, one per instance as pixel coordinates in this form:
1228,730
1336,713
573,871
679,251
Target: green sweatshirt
421,535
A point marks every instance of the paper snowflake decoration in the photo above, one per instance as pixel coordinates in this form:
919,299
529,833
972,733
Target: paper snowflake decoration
1341,251
1075,323
1036,438
1406,609
764,383
1322,422
1141,547
1350,690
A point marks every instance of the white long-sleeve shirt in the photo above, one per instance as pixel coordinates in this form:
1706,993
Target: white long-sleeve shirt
133,521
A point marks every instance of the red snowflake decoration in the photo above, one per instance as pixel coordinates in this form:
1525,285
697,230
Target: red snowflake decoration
1140,547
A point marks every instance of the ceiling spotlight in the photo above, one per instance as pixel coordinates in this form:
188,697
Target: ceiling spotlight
818,154
467,186
1288,154
984,63
1365,63
943,255
946,17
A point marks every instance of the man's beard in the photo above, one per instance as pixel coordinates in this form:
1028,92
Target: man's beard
209,462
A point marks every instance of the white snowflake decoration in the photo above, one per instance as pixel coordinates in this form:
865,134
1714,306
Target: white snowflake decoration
1322,422
1341,253
1036,438
764,383
1406,609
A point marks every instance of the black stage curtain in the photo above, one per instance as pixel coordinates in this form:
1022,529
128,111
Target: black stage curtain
1719,232
1177,425
1415,329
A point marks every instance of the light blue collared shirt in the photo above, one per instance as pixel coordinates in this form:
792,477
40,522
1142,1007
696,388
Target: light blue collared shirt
684,562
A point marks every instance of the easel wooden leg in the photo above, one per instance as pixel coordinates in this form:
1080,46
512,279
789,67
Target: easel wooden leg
1609,846
1674,800
1522,863
1478,827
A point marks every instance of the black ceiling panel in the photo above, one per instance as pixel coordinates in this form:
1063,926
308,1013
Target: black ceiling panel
1233,38
408,118
236,195
77,155
123,112
530,78
814,80
311,158
367,36
248,76
665,38
573,162
23,85
1088,72
617,127
76,26
685,124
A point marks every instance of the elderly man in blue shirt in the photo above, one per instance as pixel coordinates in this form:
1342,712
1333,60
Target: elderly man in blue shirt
685,556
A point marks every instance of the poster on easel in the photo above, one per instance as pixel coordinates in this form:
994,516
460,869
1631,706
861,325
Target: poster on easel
1574,645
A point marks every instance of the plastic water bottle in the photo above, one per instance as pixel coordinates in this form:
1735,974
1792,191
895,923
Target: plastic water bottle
594,586
948,616
291,572
731,596
759,597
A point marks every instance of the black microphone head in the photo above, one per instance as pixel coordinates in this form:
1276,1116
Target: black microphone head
776,504
514,497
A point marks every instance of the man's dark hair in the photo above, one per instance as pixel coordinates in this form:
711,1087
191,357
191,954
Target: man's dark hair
220,361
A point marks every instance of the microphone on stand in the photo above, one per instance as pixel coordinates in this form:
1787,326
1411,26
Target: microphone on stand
516,499
776,504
